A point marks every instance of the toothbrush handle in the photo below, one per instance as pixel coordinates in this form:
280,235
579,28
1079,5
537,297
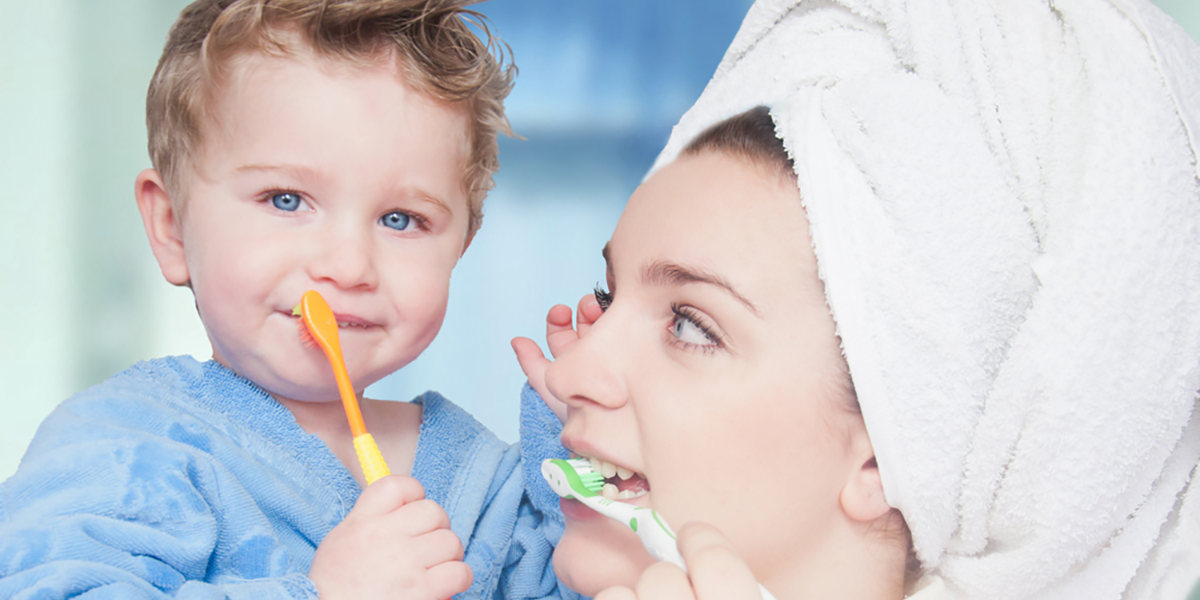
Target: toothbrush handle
656,536
654,532
659,541
370,458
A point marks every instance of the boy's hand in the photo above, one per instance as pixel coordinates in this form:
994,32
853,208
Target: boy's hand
560,336
716,572
393,544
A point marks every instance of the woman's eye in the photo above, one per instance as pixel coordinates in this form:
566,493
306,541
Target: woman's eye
689,333
688,329
397,220
287,201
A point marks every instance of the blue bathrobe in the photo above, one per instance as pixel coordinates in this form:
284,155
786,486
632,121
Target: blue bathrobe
181,479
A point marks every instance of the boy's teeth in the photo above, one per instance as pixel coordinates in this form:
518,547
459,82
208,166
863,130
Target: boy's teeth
627,494
609,491
597,464
624,473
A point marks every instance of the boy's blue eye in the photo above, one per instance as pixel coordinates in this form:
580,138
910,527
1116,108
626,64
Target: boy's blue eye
288,201
396,220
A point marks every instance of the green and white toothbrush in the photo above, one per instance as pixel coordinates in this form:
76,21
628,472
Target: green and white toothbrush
575,479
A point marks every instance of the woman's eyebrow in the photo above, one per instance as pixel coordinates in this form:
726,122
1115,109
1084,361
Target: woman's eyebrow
668,273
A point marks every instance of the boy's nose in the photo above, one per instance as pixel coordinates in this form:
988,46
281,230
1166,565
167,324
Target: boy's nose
346,258
591,372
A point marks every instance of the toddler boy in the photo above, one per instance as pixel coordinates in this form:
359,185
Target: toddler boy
343,146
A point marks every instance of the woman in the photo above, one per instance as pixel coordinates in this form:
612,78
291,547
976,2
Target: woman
714,368
1001,203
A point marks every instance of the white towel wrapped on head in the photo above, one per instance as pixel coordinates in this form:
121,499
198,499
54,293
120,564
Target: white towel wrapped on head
1005,206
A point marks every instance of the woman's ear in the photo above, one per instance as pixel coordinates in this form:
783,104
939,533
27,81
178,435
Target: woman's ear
162,227
862,497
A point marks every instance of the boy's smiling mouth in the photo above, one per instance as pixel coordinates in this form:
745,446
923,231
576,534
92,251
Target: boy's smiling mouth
344,321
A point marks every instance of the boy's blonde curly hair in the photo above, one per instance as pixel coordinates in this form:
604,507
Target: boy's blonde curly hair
431,39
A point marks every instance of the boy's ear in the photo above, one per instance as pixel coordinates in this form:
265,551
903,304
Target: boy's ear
162,229
862,497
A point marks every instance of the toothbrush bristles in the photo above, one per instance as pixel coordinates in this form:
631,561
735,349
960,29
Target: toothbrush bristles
306,337
590,479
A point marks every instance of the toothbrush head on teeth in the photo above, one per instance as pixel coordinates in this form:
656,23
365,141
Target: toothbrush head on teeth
621,483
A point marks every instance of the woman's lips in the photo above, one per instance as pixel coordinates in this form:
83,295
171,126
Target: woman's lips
620,483
575,510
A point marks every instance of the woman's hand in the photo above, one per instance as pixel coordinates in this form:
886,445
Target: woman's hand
560,336
716,572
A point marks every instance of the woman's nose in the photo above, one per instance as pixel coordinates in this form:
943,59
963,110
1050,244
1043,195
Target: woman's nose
345,257
590,373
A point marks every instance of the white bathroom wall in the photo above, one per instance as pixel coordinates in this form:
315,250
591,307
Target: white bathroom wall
80,296
38,128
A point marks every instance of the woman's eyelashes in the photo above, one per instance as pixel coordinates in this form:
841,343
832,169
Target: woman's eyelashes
603,297
691,330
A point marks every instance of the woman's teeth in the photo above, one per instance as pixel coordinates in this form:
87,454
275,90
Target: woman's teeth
603,467
610,489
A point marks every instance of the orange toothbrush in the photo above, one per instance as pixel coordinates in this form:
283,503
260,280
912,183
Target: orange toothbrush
320,325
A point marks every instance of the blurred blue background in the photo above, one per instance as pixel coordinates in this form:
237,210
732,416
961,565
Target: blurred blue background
601,83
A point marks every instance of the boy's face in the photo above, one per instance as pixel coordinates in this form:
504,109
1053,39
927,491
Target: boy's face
324,176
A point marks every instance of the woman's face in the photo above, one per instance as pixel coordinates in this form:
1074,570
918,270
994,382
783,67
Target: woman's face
714,375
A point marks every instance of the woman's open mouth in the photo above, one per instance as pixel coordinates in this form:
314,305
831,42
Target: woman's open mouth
620,483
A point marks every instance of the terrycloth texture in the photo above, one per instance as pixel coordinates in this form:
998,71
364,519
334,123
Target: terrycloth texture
1004,204
540,432
181,479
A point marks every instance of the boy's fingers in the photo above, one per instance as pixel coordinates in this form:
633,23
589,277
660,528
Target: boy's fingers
448,579
439,546
529,355
534,364
716,570
560,335
616,593
559,317
419,518
388,494
588,311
